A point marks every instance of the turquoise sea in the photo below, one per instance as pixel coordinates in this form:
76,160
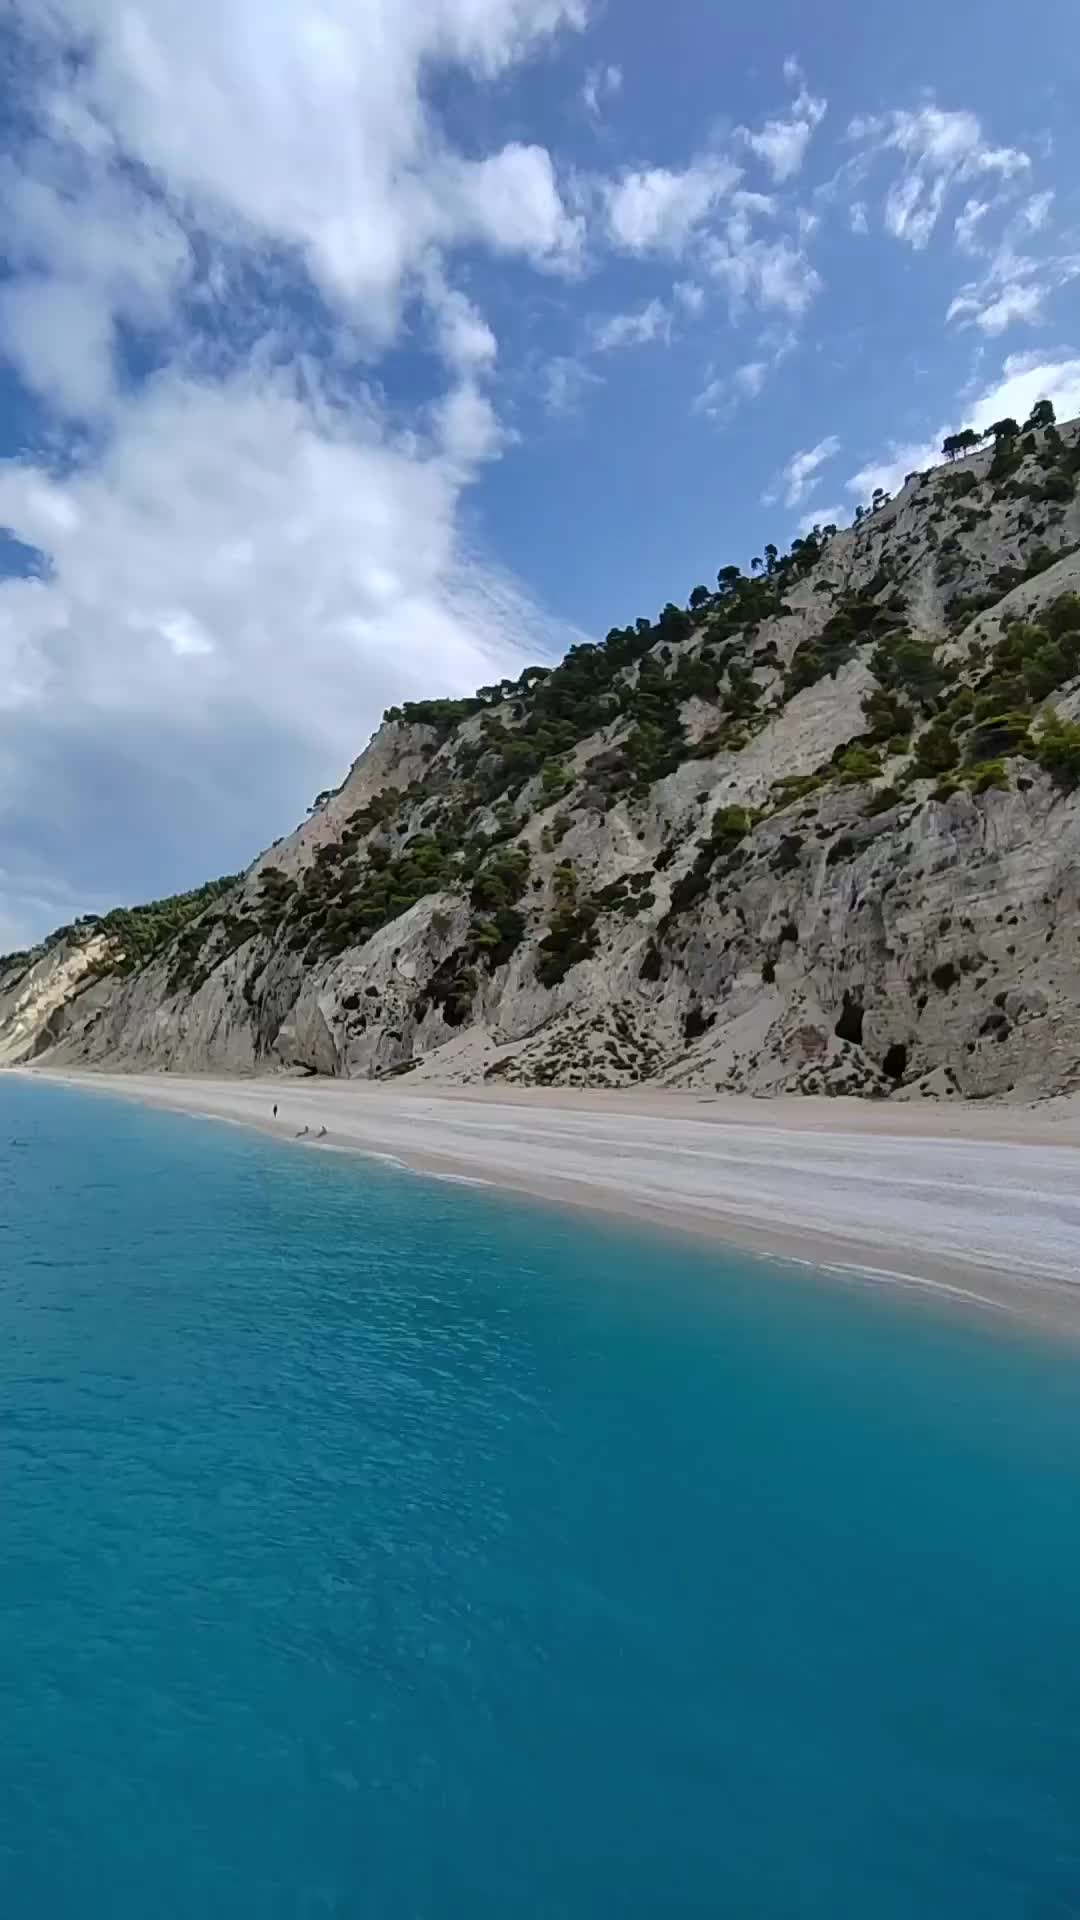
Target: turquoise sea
375,1547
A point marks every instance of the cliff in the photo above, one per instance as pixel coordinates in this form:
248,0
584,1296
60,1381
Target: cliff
819,830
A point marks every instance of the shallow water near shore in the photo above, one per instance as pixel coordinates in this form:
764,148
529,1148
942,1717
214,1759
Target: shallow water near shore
377,1546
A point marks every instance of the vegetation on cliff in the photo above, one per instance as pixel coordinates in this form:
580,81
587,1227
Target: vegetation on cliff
906,645
135,934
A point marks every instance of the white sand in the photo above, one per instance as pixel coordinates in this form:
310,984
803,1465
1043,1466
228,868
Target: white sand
978,1203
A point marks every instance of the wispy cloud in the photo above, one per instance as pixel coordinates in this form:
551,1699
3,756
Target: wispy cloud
290,137
782,142
938,149
565,381
248,555
993,315
648,323
831,516
723,394
689,295
656,210
218,629
1024,379
1022,272
764,273
799,476
464,338
600,84
1036,212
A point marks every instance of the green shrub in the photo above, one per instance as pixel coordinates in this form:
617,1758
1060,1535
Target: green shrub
883,801
936,750
452,988
138,933
555,780
1057,749
908,665
570,937
794,786
858,618
990,774
888,717
729,825
443,715
858,765
996,735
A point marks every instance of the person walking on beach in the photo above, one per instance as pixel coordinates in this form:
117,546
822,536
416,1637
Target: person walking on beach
275,1110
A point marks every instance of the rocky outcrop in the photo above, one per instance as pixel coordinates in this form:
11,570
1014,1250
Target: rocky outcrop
40,991
813,834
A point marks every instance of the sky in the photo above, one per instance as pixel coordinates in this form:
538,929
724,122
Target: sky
353,351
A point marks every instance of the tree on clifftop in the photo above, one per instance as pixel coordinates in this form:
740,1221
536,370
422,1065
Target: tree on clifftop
957,443
1042,416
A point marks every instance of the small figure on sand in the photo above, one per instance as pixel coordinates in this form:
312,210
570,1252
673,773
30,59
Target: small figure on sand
321,1135
275,1110
302,1132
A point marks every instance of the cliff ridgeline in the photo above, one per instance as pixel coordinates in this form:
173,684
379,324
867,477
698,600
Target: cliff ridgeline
818,831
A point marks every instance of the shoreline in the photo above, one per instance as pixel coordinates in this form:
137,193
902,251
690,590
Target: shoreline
977,1206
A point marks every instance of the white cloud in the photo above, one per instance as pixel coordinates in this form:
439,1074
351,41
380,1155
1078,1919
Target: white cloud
723,394
87,251
1016,286
857,217
831,516
1015,303
61,337
938,149
565,380
890,468
782,144
245,564
766,273
1024,379
274,121
238,586
468,428
511,202
651,322
746,204
966,225
465,340
656,211
601,83
800,474
689,295
1036,212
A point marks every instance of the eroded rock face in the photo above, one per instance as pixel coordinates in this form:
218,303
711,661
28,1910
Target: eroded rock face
36,997
860,928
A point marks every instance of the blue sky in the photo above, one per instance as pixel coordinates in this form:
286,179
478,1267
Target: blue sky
352,350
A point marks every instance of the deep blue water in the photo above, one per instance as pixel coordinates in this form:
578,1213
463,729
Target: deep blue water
379,1547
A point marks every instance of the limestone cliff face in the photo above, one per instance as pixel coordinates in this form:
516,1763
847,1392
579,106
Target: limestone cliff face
38,990
820,833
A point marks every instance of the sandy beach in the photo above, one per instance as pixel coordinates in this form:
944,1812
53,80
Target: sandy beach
980,1204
